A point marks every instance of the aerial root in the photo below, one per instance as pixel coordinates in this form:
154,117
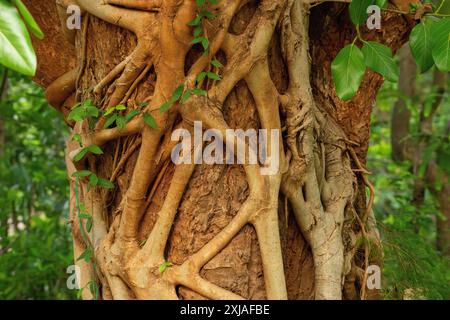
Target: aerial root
145,5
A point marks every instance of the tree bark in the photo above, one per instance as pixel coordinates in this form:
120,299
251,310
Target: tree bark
228,231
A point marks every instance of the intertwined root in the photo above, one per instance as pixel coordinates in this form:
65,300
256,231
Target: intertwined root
315,172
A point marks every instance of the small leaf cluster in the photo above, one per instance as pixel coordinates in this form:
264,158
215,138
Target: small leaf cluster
181,94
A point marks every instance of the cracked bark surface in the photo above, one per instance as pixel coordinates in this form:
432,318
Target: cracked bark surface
230,232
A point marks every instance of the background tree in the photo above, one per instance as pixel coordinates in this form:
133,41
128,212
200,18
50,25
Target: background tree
35,239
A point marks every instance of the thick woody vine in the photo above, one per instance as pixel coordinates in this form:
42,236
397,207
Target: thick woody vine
316,174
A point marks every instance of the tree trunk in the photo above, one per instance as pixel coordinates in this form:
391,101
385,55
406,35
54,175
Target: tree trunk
228,231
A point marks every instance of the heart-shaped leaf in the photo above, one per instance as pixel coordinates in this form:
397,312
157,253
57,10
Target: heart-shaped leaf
420,42
348,70
379,58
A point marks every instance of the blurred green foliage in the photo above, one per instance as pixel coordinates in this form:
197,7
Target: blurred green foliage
35,239
413,267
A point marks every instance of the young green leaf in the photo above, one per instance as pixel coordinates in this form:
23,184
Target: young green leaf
93,180
198,91
109,111
348,70
105,184
379,58
81,174
196,22
216,63
207,14
120,121
120,107
164,266
109,121
441,44
198,31
213,76
177,93
77,114
165,106
95,149
200,3
80,155
201,76
186,96
420,42
131,115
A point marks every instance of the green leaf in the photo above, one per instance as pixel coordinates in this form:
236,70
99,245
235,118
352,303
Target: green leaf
420,42
348,70
177,93
77,137
105,184
120,107
131,115
205,43
186,96
86,255
358,11
196,21
93,180
216,63
164,266
143,104
381,3
85,216
201,76
120,121
32,24
76,114
109,111
150,121
109,121
200,3
89,225
165,106
198,31
207,14
197,40
80,155
198,91
95,149
379,58
441,44
81,174
16,50
213,76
